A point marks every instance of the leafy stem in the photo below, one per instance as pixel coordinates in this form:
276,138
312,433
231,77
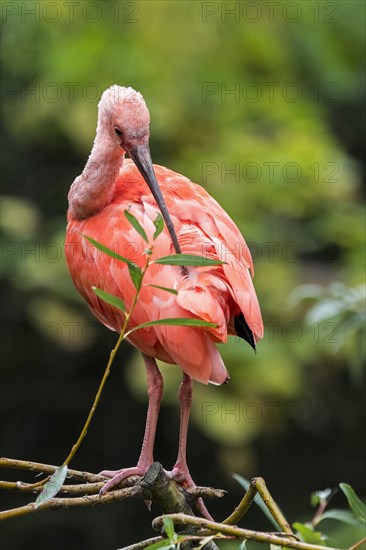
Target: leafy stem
122,336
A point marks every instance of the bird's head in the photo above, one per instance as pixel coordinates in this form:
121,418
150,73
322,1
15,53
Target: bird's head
124,115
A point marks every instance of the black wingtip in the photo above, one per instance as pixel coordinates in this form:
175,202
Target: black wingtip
243,331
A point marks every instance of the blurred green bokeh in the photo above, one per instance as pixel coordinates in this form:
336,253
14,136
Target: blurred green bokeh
263,106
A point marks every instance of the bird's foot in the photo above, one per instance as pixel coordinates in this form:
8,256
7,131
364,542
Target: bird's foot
119,475
181,475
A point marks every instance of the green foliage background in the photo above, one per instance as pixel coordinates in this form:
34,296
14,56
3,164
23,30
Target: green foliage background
264,108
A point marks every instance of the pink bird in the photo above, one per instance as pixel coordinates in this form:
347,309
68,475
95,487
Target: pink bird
195,224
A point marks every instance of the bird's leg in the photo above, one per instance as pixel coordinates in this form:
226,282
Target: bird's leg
180,472
155,385
155,393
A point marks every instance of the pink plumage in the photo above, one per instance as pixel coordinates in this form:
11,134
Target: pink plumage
222,294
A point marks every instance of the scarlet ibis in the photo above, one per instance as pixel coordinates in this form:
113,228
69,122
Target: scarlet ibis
194,224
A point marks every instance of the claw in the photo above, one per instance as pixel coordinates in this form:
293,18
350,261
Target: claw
119,475
183,478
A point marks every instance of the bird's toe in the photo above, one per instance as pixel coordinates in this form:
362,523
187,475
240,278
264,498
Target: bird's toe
181,475
120,475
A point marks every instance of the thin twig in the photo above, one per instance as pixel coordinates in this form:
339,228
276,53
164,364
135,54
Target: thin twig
84,431
243,505
143,544
205,492
213,527
87,500
258,485
322,506
49,469
357,544
81,488
147,542
272,506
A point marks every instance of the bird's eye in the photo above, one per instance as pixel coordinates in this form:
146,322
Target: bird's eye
118,132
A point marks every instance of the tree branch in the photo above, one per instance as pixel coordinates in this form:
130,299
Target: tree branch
143,544
212,527
48,469
82,488
257,485
174,501
156,486
87,500
159,488
164,492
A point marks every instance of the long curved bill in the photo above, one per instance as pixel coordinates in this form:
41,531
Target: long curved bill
142,158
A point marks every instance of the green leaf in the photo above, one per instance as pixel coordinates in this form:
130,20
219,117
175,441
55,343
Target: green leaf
171,290
136,275
134,270
307,534
187,259
356,505
159,224
175,321
169,527
258,500
52,486
344,516
319,497
109,298
110,252
136,224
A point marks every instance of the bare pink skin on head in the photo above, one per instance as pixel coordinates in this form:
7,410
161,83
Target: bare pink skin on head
194,224
124,114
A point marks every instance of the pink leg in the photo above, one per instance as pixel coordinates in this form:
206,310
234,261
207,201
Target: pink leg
155,393
180,472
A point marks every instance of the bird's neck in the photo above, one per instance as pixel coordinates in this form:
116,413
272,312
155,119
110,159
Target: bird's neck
94,188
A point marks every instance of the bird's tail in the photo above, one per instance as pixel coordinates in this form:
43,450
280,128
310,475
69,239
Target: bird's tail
211,369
